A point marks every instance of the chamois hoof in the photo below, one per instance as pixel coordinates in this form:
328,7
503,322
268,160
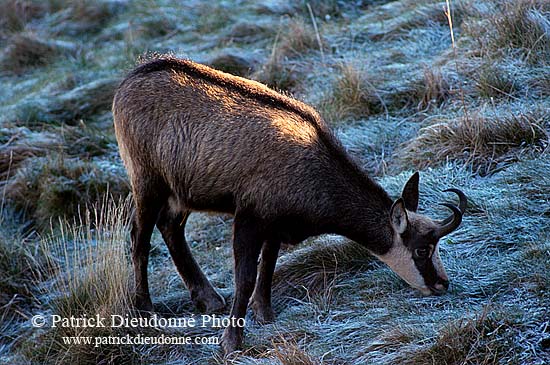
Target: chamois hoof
208,301
231,341
262,314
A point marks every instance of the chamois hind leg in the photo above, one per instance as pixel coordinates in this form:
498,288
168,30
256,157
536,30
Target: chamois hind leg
261,297
247,244
172,227
147,207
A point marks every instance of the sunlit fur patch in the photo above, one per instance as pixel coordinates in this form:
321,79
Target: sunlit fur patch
400,260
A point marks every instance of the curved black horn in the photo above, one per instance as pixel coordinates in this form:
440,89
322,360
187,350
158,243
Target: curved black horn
453,221
462,197
462,204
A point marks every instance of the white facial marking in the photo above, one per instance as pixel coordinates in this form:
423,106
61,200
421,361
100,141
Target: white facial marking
400,260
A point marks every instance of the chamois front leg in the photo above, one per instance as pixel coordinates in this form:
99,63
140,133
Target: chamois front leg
261,298
247,244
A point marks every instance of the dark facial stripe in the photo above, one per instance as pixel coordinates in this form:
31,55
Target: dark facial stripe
427,270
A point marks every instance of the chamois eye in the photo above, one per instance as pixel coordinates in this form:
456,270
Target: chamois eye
421,253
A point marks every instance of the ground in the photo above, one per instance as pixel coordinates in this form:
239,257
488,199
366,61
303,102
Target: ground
460,96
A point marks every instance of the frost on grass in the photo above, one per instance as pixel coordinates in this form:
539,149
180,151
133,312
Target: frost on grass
385,74
514,26
354,94
27,50
483,142
478,340
90,275
48,188
283,70
314,269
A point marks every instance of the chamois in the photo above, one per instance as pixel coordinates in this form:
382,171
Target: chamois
196,139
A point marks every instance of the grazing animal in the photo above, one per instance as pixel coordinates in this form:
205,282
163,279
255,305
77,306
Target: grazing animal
196,139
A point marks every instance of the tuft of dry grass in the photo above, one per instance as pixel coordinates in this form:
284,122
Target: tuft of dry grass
281,69
521,25
485,339
540,83
492,81
312,271
480,141
299,37
15,14
20,266
289,352
353,95
26,50
86,100
12,156
427,16
212,17
85,17
323,9
432,88
86,141
91,100
47,188
17,146
90,266
92,278
246,33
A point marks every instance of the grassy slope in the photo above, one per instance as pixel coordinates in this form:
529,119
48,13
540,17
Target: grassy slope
385,76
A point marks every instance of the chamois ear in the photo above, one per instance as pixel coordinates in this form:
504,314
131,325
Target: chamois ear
410,192
398,216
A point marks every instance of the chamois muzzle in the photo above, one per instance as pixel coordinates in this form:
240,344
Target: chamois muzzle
451,223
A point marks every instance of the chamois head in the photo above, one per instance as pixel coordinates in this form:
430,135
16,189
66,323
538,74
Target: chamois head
414,254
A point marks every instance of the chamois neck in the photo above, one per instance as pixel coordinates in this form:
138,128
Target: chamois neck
362,214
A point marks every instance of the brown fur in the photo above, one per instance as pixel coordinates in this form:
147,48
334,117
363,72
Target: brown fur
193,138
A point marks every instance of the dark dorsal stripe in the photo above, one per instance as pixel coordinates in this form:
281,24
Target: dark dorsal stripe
243,86
269,97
